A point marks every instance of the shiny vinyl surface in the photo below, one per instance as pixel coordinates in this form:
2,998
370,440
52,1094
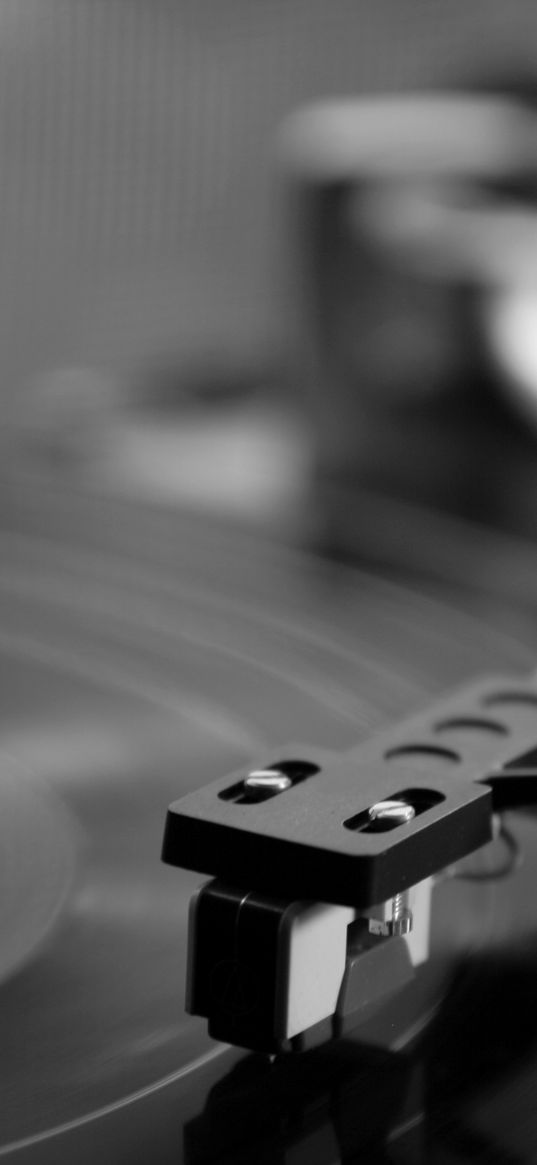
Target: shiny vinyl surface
143,654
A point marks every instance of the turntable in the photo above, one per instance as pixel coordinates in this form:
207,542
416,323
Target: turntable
146,655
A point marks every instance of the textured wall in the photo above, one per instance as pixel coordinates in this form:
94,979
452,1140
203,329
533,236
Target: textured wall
136,205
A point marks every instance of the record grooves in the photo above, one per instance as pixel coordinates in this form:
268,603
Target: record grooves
144,654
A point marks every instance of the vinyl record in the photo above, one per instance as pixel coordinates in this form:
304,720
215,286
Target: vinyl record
143,654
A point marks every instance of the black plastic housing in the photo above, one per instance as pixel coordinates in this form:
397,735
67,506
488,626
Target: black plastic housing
454,759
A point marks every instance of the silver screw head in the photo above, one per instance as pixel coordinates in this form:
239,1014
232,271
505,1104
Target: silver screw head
396,812
262,783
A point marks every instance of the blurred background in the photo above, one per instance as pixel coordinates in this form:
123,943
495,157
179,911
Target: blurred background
198,303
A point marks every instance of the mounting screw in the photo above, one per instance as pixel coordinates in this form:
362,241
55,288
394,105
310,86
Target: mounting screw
392,812
401,920
387,814
263,783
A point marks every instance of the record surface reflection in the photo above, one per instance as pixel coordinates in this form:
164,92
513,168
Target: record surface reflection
129,675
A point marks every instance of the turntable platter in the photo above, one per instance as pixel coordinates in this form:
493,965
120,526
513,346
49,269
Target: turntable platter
143,654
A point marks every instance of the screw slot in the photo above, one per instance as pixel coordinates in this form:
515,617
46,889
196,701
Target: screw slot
514,698
429,754
271,780
388,814
261,784
476,724
395,811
